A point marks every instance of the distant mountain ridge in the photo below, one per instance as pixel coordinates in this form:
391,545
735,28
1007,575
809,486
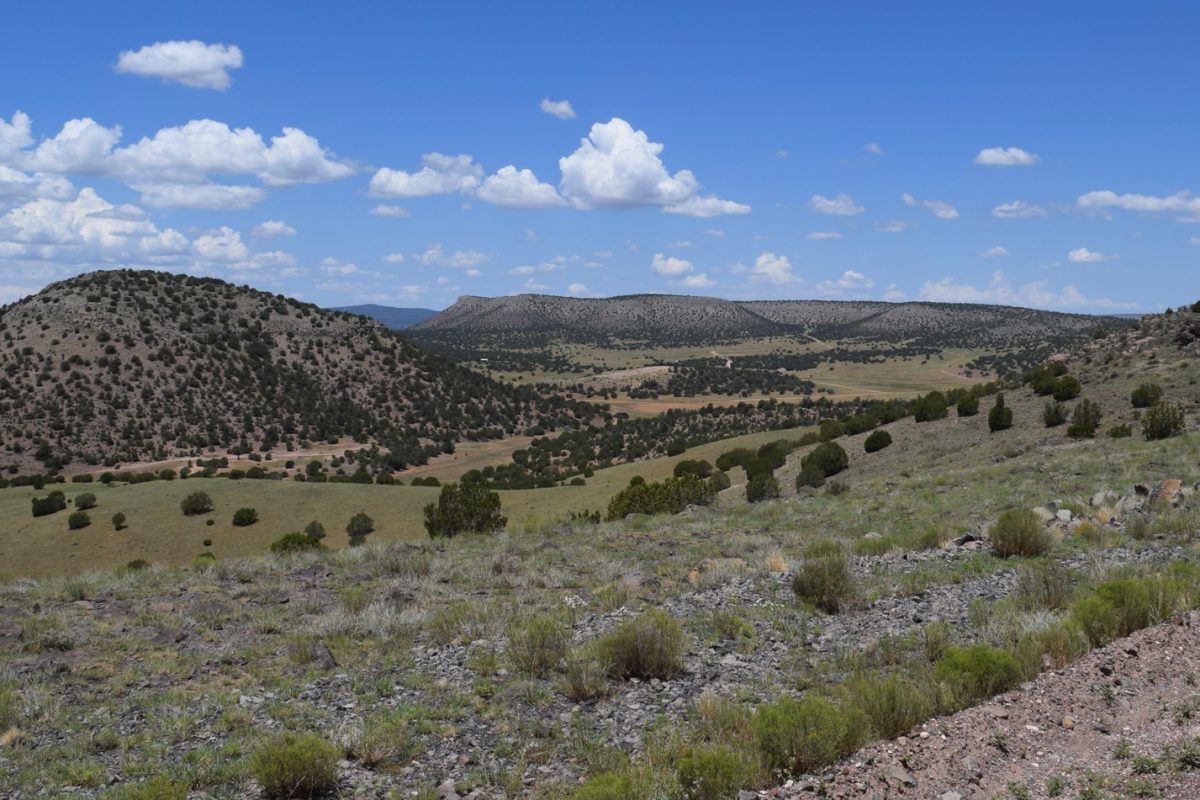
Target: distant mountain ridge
674,317
393,317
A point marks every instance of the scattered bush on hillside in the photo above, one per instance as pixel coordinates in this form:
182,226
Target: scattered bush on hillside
1084,420
1042,379
245,516
762,487
315,529
538,646
50,504
715,772
1162,421
1054,414
824,579
118,520
893,703
720,481
295,765
465,507
831,429
385,742
1019,532
159,787
296,542
930,407
1066,388
1122,431
359,527
85,500
828,457
796,737
669,496
977,672
810,475
649,646
699,468
1146,395
77,520
877,441
968,405
196,503
738,457
1001,416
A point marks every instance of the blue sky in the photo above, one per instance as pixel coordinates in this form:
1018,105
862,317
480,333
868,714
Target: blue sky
1033,154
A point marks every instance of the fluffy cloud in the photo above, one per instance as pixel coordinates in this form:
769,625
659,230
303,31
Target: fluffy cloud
1000,291
892,226
1081,255
388,210
557,108
434,256
994,252
1178,202
394,258
222,244
939,208
850,281
513,188
669,266
842,204
439,174
16,185
193,63
15,136
1006,157
619,167
1018,209
578,288
698,281
769,268
821,235
873,148
172,168
272,227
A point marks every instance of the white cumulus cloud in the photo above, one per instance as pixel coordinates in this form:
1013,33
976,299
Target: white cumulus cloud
842,204
1000,291
557,108
272,227
1018,209
434,256
192,63
769,268
670,266
389,210
439,174
1181,201
578,288
939,208
1006,157
994,252
513,188
851,280
1081,255
698,281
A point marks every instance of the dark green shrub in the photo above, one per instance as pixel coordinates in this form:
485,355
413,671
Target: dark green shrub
1001,416
1066,388
714,773
759,467
296,542
196,503
245,516
738,457
538,646
1122,431
118,520
1162,421
77,520
1019,532
720,481
762,487
1054,414
1146,395
825,580
930,407
669,496
676,447
137,565
831,429
295,765
464,508
796,737
1084,420
810,475
85,500
690,466
359,527
828,457
977,672
315,529
50,504
968,405
649,646
877,441
837,488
